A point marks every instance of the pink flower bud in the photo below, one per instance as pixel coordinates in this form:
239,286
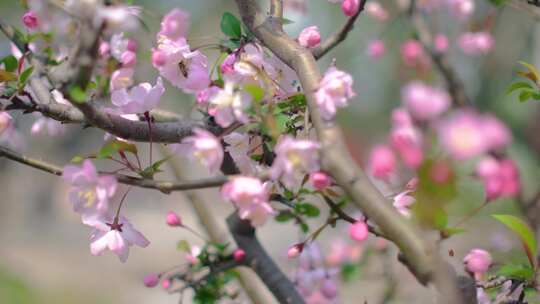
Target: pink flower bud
477,262
441,172
350,7
128,59
493,188
173,219
320,180
104,49
228,64
412,184
358,231
158,58
309,37
239,255
412,52
376,49
166,284
132,45
151,280
441,43
295,250
382,162
30,20
329,289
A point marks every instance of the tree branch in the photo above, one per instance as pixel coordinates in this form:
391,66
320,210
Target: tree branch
163,186
257,258
453,82
339,36
428,266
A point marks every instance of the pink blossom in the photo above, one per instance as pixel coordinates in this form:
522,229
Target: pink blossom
295,250
175,24
320,180
239,255
496,132
47,125
204,147
376,48
462,9
185,69
158,58
228,64
335,89
89,193
350,7
121,79
403,201
406,139
204,96
128,59
165,284
132,46
477,262
238,146
151,280
30,20
310,37
294,158
329,289
359,231
382,162
462,135
117,236
424,102
376,10
500,177
139,99
229,105
119,18
412,52
250,61
479,43
104,50
118,45
251,197
441,43
173,219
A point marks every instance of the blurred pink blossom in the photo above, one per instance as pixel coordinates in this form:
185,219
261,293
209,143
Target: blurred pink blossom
204,147
376,49
310,37
174,25
382,162
424,102
139,99
479,43
335,90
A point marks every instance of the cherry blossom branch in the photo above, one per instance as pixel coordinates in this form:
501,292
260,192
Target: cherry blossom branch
339,36
163,186
203,209
422,257
453,82
257,258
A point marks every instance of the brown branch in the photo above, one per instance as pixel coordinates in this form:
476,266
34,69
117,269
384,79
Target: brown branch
163,186
427,265
453,82
339,36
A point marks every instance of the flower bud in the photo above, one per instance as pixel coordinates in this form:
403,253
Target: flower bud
309,37
158,58
30,20
329,289
477,262
151,280
320,180
358,231
239,255
173,219
295,250
128,59
350,7
166,284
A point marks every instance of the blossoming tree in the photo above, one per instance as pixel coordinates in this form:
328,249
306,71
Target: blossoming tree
265,128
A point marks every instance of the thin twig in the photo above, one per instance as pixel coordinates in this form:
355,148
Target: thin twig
163,186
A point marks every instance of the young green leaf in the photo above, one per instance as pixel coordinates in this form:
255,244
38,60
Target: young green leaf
77,94
10,63
7,76
25,74
231,26
524,232
518,85
115,146
533,72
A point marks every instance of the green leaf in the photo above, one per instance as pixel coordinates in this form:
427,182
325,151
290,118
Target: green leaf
183,245
255,91
10,63
307,209
284,21
284,216
77,159
25,74
533,72
149,172
77,94
115,146
231,26
524,95
350,272
523,231
518,85
520,272
497,2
